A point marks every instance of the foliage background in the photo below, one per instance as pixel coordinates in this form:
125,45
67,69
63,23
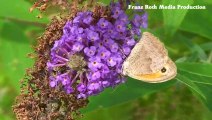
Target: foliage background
187,35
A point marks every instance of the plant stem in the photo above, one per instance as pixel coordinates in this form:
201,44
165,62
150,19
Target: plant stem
16,20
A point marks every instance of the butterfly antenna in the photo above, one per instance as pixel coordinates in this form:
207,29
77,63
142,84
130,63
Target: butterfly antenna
122,51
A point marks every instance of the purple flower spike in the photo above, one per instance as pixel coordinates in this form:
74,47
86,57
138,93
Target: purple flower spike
89,55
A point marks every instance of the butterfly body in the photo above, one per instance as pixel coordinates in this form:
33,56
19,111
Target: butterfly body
149,61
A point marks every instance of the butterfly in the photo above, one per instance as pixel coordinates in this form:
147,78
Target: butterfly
149,61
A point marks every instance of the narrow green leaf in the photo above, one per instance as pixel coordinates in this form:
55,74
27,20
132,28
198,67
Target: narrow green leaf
197,78
190,84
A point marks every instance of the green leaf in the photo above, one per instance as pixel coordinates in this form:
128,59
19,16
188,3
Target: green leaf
123,112
198,22
203,69
173,18
132,89
198,77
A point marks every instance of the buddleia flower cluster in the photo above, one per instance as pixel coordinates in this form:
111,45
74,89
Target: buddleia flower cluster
88,57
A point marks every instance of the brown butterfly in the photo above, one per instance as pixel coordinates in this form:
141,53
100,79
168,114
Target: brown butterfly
149,61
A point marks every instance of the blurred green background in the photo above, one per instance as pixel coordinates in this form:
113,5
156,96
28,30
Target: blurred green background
187,35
